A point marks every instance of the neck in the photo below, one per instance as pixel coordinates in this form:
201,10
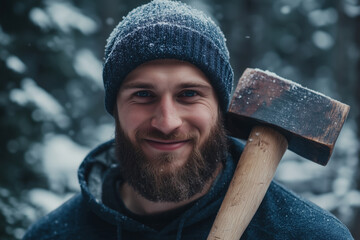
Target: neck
142,206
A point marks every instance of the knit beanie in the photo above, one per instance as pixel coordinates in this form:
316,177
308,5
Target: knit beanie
164,29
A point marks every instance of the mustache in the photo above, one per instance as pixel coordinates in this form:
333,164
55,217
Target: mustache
173,136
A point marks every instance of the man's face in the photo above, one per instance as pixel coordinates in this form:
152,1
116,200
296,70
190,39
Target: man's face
168,127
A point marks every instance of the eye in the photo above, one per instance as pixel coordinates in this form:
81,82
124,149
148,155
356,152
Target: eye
143,94
189,93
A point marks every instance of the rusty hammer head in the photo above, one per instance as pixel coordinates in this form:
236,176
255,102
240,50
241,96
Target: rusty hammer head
310,121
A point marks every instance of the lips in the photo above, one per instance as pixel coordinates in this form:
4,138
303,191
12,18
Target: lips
166,145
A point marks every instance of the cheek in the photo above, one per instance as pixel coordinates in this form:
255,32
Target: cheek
131,119
204,120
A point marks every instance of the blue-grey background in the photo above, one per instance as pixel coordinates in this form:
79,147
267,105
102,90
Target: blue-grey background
51,95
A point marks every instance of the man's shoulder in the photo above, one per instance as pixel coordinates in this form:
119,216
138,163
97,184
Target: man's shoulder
72,220
283,213
57,222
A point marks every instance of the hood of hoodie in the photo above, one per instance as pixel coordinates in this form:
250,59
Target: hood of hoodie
95,166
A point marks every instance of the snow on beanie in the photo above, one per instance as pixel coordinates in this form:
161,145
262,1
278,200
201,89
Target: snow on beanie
164,29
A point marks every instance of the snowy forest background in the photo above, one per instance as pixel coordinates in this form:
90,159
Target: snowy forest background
51,94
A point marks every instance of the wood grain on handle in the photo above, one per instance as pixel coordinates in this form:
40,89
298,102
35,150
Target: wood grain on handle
254,172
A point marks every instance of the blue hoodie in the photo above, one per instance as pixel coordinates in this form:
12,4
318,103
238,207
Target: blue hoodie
281,215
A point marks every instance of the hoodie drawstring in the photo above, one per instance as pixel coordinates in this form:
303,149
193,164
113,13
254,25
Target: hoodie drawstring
181,225
119,231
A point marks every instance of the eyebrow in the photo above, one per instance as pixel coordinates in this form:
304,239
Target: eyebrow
194,85
131,85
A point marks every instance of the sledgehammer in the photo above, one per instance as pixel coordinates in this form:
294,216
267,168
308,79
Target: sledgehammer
274,114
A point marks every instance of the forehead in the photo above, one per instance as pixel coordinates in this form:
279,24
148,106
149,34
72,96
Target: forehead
167,70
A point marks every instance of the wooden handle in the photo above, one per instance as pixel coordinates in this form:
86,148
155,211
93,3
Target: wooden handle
254,172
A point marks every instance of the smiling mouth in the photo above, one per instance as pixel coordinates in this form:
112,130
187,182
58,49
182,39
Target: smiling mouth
165,145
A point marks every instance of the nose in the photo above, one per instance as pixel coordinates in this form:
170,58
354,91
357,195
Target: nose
166,116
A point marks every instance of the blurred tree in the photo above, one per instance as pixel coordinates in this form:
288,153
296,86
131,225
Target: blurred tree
18,129
45,89
355,53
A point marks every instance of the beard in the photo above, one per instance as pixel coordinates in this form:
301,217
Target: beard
157,179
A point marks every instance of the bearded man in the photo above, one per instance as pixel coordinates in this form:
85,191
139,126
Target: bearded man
168,81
